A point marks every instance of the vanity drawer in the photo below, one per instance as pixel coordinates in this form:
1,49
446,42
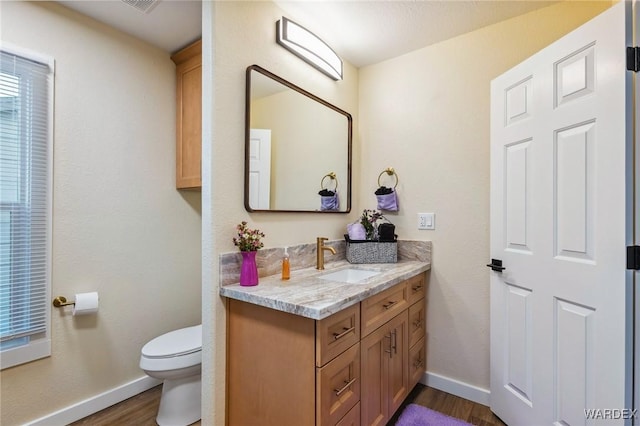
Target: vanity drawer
352,418
336,333
378,309
417,288
338,387
417,321
417,362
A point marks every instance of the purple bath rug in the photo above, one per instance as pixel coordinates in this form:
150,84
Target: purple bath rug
417,415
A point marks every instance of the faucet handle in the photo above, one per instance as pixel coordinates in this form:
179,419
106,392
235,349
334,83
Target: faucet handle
321,239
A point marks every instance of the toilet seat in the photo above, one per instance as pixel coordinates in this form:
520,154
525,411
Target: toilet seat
174,350
175,343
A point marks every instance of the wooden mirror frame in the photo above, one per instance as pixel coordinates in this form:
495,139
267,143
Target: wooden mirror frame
268,74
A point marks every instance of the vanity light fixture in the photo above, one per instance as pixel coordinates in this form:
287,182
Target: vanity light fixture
306,45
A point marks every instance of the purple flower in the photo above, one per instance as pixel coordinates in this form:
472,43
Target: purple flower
248,239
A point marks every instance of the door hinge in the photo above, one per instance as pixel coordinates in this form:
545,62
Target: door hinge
633,59
633,257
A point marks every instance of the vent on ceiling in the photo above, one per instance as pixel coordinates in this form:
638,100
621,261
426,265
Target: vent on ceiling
144,6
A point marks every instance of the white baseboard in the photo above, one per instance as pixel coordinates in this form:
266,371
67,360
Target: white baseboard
94,404
457,388
104,400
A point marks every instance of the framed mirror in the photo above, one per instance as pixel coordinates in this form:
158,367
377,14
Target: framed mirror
296,145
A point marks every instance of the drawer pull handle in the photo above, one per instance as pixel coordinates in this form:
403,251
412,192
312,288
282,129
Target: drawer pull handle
418,323
418,363
416,288
346,331
395,341
389,351
345,387
390,304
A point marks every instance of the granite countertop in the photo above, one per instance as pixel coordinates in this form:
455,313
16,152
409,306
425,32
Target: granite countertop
307,295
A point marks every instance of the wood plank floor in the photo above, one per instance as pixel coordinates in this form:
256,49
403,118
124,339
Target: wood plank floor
451,405
141,409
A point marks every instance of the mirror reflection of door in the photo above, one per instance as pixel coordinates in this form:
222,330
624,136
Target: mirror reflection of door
260,168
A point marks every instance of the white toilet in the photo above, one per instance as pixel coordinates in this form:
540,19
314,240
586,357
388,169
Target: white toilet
176,358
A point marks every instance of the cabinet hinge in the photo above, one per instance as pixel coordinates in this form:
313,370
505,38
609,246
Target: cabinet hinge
633,257
633,59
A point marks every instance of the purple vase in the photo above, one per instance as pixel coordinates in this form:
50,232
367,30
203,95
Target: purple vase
249,269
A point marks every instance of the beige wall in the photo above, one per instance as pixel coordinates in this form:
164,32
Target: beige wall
244,34
119,226
437,139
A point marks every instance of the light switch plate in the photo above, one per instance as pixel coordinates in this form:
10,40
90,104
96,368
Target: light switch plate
426,221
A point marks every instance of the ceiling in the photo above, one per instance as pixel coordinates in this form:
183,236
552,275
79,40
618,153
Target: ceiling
363,32
169,25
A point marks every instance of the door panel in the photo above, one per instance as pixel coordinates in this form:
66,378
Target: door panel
260,168
519,371
575,334
517,180
574,184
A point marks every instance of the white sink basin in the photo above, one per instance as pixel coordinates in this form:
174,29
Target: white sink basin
349,275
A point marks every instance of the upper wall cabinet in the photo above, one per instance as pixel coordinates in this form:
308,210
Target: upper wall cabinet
189,116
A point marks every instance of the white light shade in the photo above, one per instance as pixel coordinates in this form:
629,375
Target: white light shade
309,47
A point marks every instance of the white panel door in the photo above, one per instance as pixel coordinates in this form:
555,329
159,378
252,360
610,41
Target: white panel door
560,205
259,169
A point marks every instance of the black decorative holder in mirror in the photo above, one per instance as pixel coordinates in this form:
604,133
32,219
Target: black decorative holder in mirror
371,251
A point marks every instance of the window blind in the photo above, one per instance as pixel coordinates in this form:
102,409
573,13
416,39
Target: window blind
25,111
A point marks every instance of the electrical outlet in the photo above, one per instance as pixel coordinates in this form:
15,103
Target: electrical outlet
426,221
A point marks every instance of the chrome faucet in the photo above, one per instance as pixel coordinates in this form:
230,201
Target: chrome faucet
320,248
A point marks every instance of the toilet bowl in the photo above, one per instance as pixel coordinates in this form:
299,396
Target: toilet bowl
176,358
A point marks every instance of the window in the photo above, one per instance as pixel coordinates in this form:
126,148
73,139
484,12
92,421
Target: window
26,112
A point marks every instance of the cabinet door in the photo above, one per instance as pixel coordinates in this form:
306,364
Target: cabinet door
375,351
352,418
338,387
417,320
189,117
398,375
417,362
385,370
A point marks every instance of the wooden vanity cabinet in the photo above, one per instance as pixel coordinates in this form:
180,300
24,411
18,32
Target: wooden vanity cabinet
352,368
189,116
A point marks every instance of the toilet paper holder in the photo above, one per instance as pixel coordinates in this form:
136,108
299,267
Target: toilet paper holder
85,303
61,301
